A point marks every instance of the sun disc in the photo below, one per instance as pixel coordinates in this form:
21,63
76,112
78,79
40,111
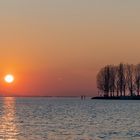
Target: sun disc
9,78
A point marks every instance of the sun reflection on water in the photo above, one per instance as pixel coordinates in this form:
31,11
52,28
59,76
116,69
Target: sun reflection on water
8,128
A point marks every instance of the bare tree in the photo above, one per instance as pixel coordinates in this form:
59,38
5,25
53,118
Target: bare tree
137,78
117,81
121,79
130,78
100,81
112,80
103,80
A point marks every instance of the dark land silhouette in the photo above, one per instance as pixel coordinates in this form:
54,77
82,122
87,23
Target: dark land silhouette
119,82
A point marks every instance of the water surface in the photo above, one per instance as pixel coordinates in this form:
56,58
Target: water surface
68,119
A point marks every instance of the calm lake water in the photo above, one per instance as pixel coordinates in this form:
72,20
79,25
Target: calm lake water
68,119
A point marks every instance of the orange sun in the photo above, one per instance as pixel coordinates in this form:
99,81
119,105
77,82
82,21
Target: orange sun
9,78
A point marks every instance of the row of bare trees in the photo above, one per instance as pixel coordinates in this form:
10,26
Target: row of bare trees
121,80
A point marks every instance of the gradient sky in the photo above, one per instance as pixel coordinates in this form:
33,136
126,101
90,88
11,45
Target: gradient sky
56,47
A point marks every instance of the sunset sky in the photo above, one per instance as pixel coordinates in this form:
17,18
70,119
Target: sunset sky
56,47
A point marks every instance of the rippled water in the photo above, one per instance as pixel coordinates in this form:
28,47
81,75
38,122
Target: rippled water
68,119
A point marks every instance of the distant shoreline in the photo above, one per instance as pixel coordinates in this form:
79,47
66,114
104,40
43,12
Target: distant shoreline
42,96
118,98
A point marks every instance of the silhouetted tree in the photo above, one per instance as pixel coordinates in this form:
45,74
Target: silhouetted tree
117,81
121,79
137,78
100,80
112,80
130,78
103,80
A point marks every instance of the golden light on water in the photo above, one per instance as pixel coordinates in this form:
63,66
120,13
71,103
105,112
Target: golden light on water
8,128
